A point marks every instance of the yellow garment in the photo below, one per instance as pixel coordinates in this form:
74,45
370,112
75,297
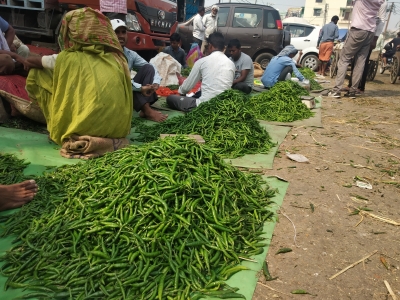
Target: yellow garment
89,92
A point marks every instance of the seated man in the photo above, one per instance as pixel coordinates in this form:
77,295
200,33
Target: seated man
175,50
389,54
216,72
244,74
281,67
146,81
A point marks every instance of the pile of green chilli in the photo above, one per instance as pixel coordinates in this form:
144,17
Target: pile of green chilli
281,103
310,75
167,220
225,123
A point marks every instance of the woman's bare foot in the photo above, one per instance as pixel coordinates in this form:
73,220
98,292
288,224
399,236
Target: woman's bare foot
151,114
16,195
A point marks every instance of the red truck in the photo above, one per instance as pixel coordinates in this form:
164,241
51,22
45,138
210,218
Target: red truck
150,22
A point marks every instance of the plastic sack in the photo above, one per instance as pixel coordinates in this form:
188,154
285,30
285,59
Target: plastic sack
258,71
167,67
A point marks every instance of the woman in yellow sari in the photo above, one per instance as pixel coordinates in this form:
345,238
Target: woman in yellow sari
85,91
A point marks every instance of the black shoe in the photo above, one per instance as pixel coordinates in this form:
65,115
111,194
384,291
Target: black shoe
351,95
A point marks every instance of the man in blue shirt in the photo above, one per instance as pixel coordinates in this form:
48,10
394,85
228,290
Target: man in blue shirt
175,50
146,81
281,67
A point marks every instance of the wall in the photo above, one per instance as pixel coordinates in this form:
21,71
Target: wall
335,7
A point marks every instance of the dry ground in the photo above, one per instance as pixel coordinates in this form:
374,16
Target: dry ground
361,138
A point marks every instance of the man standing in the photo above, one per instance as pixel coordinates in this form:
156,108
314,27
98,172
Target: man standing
328,34
146,81
216,72
198,27
360,37
379,28
210,23
114,9
244,74
175,50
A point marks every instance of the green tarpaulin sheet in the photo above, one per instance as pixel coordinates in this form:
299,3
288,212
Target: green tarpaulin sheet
36,149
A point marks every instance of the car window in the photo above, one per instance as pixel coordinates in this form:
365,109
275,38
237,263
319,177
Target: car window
308,31
223,14
247,17
270,18
297,31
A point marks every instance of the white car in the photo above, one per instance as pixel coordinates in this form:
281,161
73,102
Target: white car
309,58
304,37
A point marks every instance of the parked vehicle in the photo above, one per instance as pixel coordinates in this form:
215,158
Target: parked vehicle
303,35
258,28
150,22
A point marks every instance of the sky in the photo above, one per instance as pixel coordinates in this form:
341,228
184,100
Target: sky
283,5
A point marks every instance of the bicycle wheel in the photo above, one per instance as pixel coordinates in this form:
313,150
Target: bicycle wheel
333,67
394,71
373,68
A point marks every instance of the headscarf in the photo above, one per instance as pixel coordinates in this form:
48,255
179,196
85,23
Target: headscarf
288,50
88,27
214,7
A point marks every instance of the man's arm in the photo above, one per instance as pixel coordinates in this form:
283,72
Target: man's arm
192,79
13,55
242,77
290,62
320,36
9,33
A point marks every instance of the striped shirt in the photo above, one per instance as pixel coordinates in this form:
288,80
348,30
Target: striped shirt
117,6
365,14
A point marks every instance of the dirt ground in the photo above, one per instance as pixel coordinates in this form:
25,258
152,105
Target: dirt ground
360,141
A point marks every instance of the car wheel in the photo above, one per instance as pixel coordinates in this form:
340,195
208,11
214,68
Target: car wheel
263,59
311,61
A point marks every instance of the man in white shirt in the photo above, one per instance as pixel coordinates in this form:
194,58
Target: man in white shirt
244,75
210,23
364,25
216,72
198,27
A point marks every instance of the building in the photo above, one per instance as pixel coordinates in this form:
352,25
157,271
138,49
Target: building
320,12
